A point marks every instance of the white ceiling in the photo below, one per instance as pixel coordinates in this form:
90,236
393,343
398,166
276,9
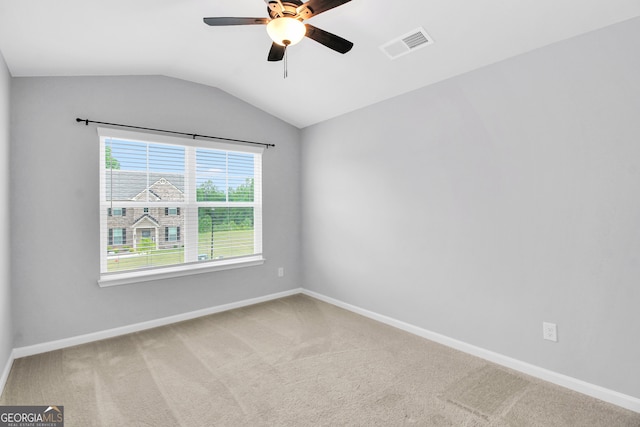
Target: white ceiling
168,37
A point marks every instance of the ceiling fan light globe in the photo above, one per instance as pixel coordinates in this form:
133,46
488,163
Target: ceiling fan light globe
286,31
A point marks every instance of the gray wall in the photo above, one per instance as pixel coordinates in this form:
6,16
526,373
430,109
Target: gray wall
484,205
54,202
6,332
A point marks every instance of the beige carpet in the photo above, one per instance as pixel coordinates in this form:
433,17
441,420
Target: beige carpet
291,362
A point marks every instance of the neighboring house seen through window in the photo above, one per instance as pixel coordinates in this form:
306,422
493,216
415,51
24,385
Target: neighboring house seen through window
176,206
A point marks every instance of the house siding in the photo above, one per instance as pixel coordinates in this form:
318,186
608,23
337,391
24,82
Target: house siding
161,190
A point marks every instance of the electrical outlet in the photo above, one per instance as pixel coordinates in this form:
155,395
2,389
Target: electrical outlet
550,331
280,271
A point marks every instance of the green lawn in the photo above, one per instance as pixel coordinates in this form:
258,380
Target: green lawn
226,244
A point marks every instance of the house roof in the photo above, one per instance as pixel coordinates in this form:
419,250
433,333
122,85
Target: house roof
129,184
145,218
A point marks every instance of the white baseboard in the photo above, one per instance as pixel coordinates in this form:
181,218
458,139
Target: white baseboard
5,373
607,395
111,333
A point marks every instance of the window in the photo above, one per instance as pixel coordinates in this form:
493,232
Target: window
117,211
172,234
174,206
117,236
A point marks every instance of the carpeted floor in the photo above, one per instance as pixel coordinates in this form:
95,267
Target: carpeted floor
291,362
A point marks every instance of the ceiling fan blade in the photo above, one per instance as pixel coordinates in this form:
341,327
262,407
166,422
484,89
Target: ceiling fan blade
276,53
218,22
329,40
316,7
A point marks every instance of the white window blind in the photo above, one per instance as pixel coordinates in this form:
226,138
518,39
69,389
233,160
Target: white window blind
176,206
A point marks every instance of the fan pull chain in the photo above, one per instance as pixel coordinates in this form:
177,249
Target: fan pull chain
286,71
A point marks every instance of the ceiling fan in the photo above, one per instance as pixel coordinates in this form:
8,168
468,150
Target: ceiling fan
285,25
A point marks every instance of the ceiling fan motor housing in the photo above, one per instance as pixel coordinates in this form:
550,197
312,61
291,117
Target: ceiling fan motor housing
288,9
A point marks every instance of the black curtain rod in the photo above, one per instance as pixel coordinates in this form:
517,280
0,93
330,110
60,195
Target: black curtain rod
192,135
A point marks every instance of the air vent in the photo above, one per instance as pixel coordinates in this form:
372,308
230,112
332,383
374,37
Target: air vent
407,43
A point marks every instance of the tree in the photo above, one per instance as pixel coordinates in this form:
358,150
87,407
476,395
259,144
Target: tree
242,193
111,162
241,218
208,192
204,219
224,219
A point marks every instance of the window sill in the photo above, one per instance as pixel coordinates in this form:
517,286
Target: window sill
126,278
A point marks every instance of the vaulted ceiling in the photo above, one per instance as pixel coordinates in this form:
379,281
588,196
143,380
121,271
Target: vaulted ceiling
168,37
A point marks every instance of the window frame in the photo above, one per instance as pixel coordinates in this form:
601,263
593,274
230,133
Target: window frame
188,209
